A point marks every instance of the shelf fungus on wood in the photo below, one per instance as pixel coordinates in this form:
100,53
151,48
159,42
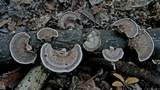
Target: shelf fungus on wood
60,60
93,41
20,49
143,44
113,55
127,26
67,20
47,34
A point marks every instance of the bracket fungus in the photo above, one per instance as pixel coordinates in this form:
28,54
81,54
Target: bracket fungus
127,26
21,50
60,60
143,44
113,55
93,41
47,34
67,20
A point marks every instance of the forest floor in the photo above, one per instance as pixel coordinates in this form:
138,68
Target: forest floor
91,14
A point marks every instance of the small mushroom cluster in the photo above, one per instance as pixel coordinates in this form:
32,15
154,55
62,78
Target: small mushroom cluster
113,55
93,41
127,26
139,39
21,50
55,60
47,34
67,20
60,60
143,44
65,61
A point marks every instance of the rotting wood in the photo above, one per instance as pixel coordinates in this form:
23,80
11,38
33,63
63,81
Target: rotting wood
67,39
130,69
34,80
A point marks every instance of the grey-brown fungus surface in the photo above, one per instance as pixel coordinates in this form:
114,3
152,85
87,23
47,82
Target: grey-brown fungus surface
47,34
60,60
127,26
67,20
93,41
113,55
21,50
143,44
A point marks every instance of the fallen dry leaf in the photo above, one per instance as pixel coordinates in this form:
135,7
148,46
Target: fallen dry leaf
140,3
62,1
131,80
3,22
97,10
26,1
19,23
42,20
117,83
11,25
118,76
49,6
2,86
93,2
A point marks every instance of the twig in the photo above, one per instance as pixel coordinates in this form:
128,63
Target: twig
99,73
90,18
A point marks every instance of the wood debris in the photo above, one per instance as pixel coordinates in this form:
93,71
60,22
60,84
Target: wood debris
34,80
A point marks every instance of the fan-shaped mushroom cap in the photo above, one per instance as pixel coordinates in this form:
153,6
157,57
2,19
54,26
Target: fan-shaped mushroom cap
143,44
67,20
47,34
128,26
93,41
20,49
112,54
60,61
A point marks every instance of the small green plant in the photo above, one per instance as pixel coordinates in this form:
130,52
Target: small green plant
122,82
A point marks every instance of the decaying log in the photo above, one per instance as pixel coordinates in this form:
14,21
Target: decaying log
34,80
68,38
150,75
